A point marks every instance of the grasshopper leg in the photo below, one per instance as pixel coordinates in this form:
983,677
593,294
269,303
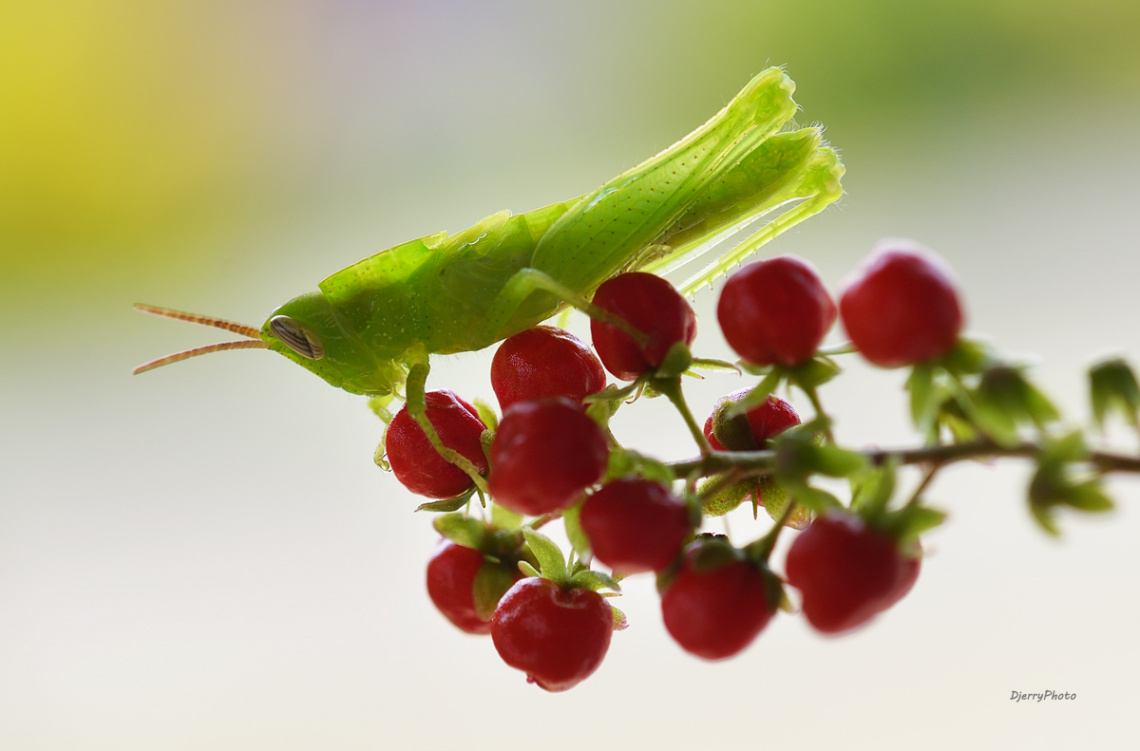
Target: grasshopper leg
522,284
416,402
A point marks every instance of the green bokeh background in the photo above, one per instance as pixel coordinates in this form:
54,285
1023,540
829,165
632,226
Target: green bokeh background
206,557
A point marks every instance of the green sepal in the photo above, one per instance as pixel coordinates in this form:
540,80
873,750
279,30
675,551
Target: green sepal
504,518
953,416
551,563
714,551
527,568
704,363
732,428
448,504
1005,399
462,530
1113,387
723,498
924,401
774,498
594,580
615,394
757,395
677,360
621,623
491,582
872,489
486,414
571,519
911,521
625,462
967,357
813,373
486,439
1056,484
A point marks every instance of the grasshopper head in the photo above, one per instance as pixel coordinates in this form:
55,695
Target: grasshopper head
307,331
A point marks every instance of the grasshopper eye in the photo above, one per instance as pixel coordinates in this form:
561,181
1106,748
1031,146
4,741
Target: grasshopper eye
297,337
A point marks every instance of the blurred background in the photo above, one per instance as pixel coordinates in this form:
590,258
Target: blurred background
205,556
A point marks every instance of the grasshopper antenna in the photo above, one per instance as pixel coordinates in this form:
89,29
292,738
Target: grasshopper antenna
254,342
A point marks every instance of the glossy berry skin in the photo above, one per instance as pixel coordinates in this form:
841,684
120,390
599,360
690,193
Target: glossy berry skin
557,636
451,576
635,525
417,465
846,572
545,453
545,361
715,613
901,307
775,312
908,575
763,423
649,304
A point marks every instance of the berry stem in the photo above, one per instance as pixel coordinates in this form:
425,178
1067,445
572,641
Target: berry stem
761,549
671,388
813,397
757,463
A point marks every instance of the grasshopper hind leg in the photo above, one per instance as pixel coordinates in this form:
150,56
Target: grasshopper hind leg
522,285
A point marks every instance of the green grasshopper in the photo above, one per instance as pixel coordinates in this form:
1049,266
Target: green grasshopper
371,328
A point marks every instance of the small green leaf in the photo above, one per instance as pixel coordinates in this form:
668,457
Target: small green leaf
1089,496
912,521
491,582
486,414
1113,387
461,529
551,562
834,461
571,520
528,570
817,500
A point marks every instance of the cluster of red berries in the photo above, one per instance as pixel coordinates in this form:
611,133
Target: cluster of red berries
552,456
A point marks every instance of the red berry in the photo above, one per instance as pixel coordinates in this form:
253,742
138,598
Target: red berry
652,306
635,525
451,576
775,312
908,575
545,453
846,572
754,428
901,307
557,636
544,362
716,608
417,465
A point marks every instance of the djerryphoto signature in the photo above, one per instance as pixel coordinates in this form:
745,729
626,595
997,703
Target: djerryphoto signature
1019,696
